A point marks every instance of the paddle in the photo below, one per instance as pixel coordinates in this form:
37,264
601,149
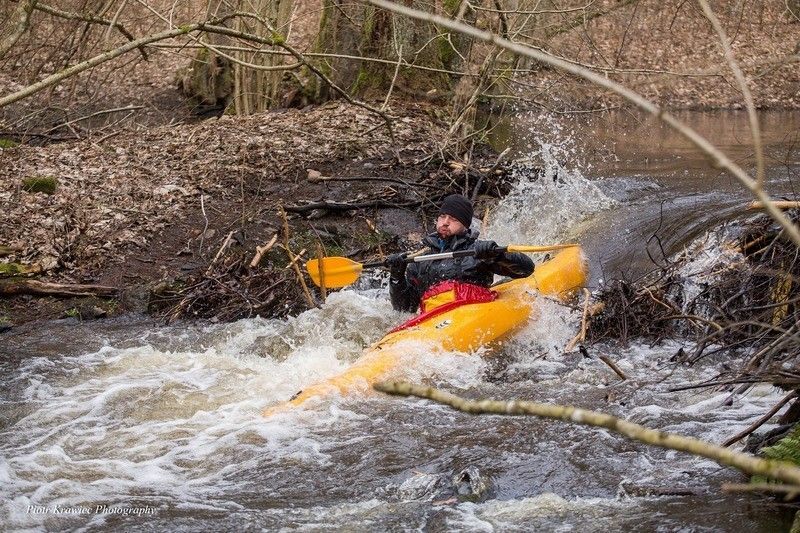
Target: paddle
341,271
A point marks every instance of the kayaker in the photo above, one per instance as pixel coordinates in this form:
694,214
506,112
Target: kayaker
409,282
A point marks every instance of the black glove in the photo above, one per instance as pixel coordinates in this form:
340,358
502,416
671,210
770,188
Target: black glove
487,250
397,264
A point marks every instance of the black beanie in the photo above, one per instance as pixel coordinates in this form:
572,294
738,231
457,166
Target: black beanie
458,207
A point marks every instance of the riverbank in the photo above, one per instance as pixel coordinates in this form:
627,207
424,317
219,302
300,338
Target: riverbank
149,213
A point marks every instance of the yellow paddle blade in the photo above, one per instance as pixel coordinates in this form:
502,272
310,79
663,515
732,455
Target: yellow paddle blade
533,249
335,271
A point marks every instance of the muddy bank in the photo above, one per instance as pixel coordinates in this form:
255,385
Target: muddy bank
149,213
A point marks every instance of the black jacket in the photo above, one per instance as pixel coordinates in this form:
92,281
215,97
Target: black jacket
407,287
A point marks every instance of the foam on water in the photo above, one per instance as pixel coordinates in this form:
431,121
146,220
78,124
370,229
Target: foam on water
572,515
118,422
709,257
135,422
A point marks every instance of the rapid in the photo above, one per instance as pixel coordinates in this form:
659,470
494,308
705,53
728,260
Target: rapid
165,422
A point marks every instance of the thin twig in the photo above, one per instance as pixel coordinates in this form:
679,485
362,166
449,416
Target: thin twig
755,130
91,19
222,248
297,271
581,336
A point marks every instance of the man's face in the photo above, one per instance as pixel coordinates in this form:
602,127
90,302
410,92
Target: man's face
447,226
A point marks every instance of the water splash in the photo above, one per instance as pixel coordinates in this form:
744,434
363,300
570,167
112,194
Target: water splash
705,261
547,204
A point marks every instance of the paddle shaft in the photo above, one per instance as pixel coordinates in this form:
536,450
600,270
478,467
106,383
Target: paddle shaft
470,253
335,272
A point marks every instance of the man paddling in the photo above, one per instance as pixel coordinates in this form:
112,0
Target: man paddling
409,283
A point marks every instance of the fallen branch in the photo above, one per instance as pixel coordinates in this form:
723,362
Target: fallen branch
293,257
372,178
761,421
41,288
261,250
779,470
336,206
617,370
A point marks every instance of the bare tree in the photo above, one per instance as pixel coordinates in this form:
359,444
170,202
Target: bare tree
20,21
242,79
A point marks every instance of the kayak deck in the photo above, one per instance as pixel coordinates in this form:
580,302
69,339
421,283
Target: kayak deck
462,329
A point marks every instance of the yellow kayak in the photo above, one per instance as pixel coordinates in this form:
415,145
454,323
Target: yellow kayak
461,329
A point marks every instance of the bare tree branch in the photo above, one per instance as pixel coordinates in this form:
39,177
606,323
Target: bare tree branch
91,19
755,130
780,470
300,58
94,61
718,158
22,16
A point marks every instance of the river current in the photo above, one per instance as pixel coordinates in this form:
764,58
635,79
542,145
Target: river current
126,424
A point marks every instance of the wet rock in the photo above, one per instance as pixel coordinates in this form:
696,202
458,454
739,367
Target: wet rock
422,486
466,485
88,312
135,298
757,441
470,485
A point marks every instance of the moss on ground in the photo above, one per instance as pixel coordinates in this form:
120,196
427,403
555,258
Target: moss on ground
16,269
45,184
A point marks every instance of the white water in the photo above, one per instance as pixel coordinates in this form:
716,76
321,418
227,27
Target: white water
170,419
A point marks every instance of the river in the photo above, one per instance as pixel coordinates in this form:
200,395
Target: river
126,424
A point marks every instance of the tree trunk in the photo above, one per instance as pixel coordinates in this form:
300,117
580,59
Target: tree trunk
18,23
357,29
257,90
236,76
